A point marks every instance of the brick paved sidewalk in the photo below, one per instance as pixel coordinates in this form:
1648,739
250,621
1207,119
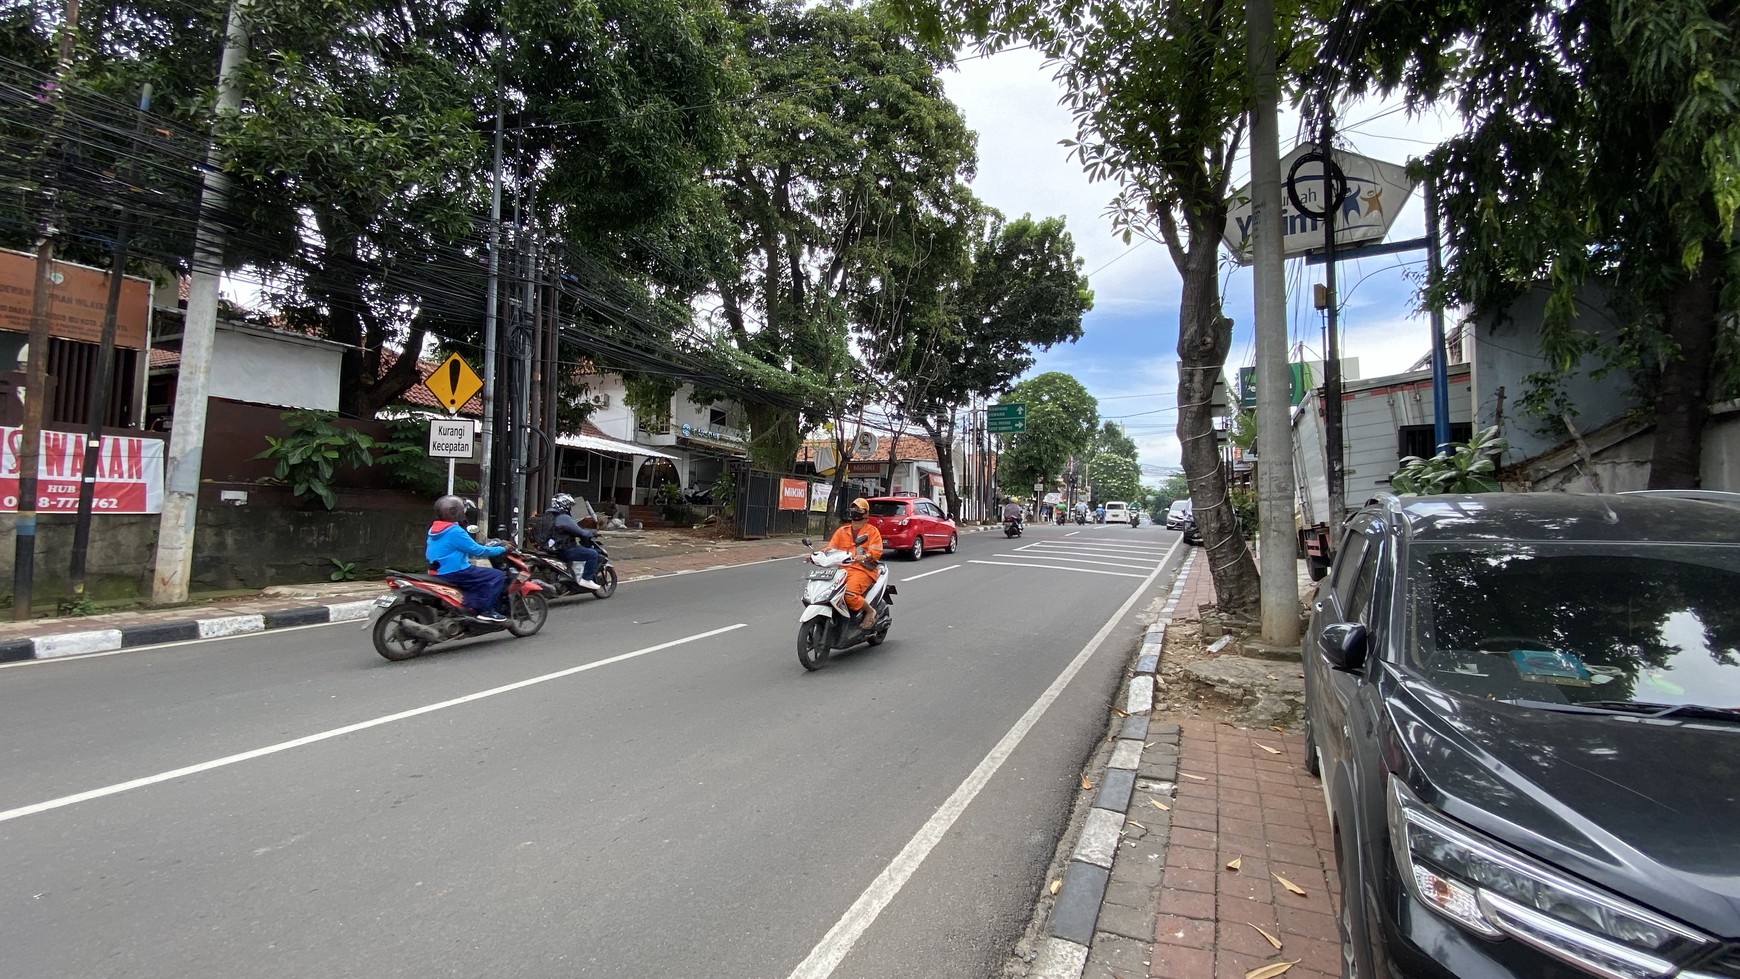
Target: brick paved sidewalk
1207,794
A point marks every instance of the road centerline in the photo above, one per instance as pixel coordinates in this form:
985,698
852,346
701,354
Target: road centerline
238,758
927,574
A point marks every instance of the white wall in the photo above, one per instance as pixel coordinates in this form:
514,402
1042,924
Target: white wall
262,368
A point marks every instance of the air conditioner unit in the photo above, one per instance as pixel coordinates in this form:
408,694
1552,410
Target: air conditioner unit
601,401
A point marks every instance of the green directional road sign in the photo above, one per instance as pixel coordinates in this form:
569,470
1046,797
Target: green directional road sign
1005,418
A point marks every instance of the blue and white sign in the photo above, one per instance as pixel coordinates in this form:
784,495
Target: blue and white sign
1375,194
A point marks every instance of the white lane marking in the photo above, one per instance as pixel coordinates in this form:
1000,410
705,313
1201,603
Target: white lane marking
1072,533
1144,566
1100,545
832,949
927,574
236,759
1058,567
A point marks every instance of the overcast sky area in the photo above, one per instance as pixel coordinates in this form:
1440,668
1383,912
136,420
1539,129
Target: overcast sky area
1127,357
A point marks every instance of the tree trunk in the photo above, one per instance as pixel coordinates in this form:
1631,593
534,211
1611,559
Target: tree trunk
1204,336
943,441
1682,402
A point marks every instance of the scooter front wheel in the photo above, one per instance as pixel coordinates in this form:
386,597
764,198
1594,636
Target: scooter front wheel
812,643
392,641
527,612
606,578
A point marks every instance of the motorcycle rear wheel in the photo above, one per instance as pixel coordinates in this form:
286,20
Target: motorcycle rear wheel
527,612
391,641
606,578
812,643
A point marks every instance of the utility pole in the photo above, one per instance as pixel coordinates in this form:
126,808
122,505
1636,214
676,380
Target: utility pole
1333,456
1278,561
174,564
36,371
486,467
1440,356
99,403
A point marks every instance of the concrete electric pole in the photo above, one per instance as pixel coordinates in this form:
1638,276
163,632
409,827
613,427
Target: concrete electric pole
1275,488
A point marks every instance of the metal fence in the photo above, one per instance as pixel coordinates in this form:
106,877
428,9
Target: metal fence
758,513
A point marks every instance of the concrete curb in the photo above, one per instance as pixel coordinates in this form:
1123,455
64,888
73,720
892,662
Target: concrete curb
214,626
177,630
1069,931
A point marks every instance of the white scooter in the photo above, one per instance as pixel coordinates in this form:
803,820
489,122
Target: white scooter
827,624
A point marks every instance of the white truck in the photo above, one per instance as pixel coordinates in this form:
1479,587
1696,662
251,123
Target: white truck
1383,420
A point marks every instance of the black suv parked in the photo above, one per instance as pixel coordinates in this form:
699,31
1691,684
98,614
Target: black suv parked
1526,710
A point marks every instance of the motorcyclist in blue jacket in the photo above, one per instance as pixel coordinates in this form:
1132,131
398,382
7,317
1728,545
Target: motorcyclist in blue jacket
450,550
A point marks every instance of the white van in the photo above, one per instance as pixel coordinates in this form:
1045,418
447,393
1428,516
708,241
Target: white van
1177,514
1117,511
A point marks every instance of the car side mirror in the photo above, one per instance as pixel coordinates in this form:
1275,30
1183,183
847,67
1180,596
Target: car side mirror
1344,645
807,542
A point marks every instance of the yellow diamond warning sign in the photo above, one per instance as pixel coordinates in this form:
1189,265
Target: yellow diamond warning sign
453,383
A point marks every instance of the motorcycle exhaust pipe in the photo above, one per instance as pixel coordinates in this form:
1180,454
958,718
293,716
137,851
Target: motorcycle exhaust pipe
417,630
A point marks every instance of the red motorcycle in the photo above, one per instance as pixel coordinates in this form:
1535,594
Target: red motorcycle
424,609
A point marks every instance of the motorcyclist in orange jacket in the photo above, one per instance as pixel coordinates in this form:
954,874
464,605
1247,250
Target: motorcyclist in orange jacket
861,573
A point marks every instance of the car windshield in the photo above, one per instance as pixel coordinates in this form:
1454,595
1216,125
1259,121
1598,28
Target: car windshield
1578,623
887,508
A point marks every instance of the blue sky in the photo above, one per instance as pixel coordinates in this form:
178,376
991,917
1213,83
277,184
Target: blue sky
1127,357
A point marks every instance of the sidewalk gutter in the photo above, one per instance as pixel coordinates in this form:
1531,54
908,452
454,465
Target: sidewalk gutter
1069,932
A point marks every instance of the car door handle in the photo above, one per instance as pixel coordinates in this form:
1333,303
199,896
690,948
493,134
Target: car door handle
1317,606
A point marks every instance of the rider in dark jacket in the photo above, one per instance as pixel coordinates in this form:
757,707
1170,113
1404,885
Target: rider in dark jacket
567,540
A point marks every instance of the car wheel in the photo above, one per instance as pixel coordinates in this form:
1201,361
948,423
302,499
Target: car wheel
918,547
954,542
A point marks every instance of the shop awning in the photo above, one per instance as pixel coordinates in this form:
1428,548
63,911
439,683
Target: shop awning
598,443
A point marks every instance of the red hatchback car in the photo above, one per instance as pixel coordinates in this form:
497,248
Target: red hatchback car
912,524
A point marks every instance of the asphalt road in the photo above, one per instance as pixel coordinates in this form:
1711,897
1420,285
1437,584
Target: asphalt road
651,787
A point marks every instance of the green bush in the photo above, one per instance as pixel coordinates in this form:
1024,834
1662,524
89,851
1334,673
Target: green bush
404,456
1466,469
311,452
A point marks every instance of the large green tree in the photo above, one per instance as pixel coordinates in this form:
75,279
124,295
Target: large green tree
1022,292
1602,142
1113,439
1061,418
1114,477
1158,89
848,170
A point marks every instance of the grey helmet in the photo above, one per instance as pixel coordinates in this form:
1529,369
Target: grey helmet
451,509
562,502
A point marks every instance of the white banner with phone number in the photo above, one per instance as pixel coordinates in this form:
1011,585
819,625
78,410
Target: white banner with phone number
129,473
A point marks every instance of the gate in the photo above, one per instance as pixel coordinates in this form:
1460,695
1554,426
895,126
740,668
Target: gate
757,504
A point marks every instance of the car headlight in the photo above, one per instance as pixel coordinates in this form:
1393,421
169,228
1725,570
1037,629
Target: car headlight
1497,892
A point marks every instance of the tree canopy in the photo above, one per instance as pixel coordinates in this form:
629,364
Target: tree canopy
1602,142
1061,417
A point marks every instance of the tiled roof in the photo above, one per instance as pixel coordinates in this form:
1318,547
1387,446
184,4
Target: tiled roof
422,397
908,448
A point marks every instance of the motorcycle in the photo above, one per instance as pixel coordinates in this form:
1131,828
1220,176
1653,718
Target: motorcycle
1081,519
1011,528
826,623
562,579
423,610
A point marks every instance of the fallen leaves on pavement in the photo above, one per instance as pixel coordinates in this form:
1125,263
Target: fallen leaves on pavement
1289,885
1272,970
1272,939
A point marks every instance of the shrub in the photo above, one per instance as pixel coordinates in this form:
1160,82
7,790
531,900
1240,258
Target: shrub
311,452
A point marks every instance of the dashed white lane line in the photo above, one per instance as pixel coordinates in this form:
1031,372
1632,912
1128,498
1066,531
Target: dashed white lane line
832,949
236,759
1058,567
927,574
1144,566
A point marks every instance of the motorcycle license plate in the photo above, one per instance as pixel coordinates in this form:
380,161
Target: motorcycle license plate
822,574
382,603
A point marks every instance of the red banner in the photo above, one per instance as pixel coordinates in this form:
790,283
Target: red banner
129,473
794,494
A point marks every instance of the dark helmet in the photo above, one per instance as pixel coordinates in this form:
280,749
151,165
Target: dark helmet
450,508
562,503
